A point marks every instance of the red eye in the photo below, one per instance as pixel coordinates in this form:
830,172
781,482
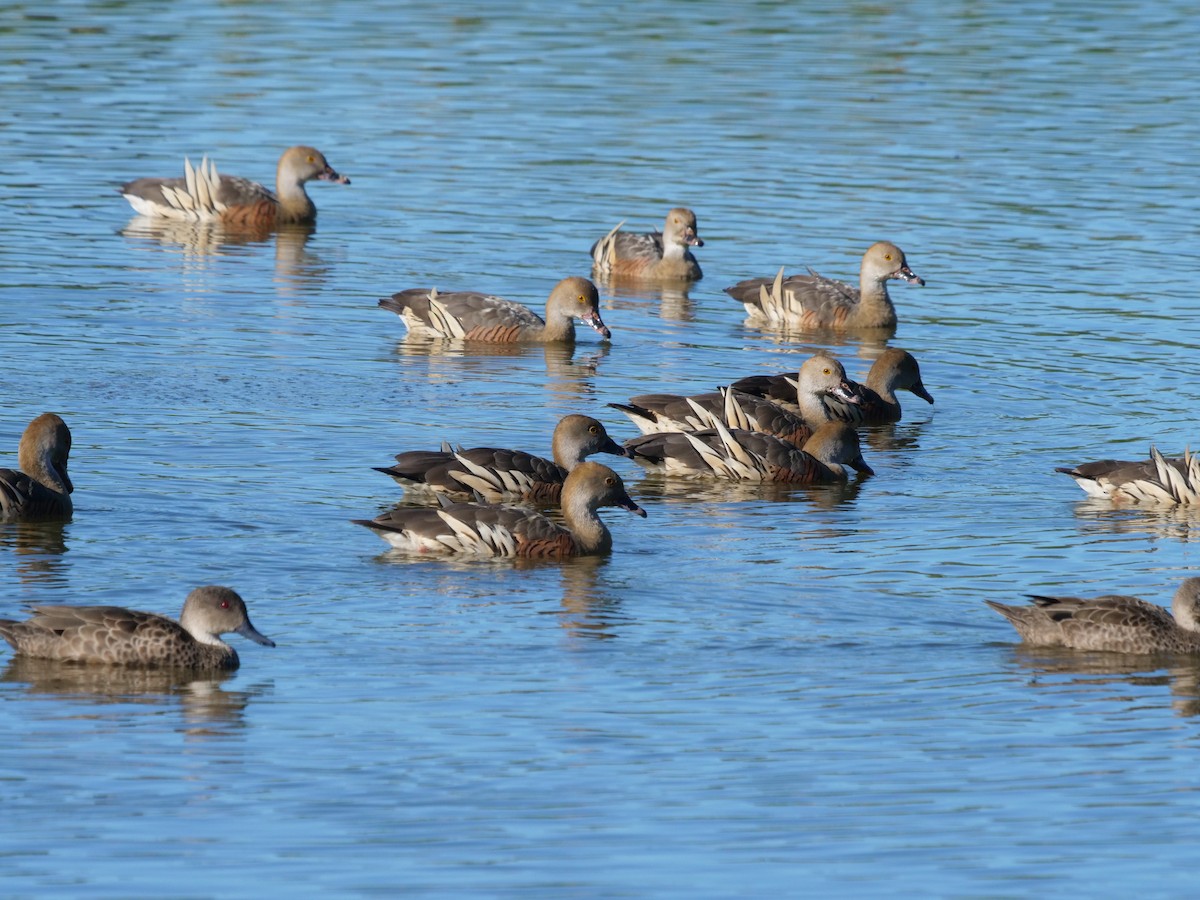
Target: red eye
224,604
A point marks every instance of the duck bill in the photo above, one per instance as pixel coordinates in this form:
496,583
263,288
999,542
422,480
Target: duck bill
597,323
628,505
692,239
919,390
904,273
848,392
331,175
614,448
249,631
860,465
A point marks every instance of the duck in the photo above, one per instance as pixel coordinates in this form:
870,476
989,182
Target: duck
654,256
740,455
473,316
203,195
1113,623
813,301
113,635
820,391
490,530
498,475
41,488
664,413
1157,480
873,403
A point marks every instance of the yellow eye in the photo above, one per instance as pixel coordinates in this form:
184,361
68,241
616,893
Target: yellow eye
827,371
312,159
888,257
582,299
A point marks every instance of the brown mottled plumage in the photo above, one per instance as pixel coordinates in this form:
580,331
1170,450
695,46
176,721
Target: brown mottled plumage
476,529
204,195
813,301
41,489
498,474
114,635
1113,623
651,257
472,316
748,456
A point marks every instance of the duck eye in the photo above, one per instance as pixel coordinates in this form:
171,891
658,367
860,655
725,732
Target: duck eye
594,430
224,604
312,159
827,371
888,257
610,481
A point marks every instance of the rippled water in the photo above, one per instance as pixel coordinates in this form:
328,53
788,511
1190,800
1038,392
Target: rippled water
757,690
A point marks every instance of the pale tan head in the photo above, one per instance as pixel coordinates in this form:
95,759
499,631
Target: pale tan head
577,298
301,163
595,485
899,371
1186,604
577,437
884,261
680,228
836,444
211,611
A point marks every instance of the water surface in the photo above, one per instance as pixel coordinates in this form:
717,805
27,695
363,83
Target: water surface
758,689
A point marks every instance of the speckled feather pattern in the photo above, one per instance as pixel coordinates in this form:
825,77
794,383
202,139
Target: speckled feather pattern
1112,623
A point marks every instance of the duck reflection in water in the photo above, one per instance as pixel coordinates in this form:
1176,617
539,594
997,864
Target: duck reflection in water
669,301
205,707
39,548
1065,671
570,370
200,243
590,607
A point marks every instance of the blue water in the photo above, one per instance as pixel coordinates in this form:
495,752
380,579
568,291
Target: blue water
758,692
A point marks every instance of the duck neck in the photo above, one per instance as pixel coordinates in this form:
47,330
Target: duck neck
41,468
590,533
885,388
812,408
201,635
566,453
294,203
875,307
676,250
559,328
